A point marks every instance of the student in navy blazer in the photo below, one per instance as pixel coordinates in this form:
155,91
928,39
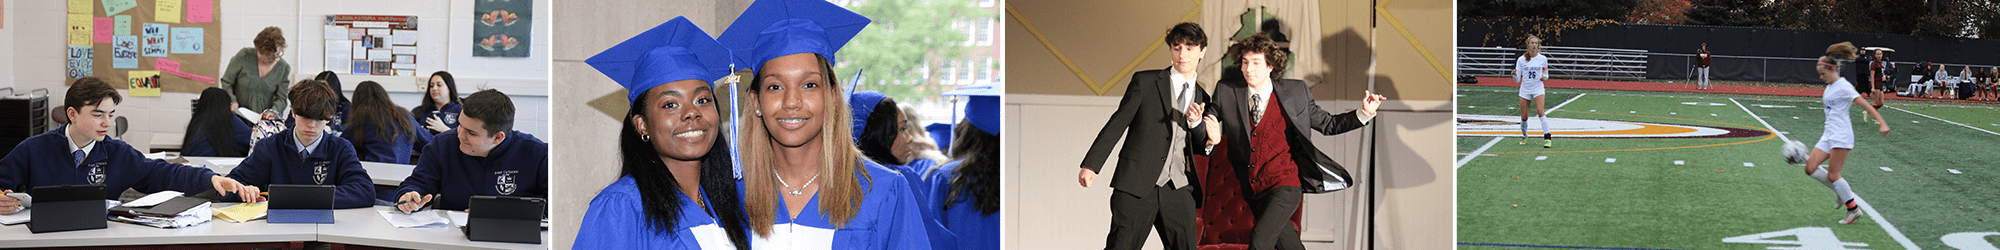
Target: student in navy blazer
214,129
380,130
306,155
484,156
81,153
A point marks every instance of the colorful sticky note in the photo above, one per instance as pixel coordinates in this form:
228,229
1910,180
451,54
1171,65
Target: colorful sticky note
79,61
124,52
153,40
167,11
187,40
81,7
101,29
168,65
122,24
113,7
79,29
201,11
143,82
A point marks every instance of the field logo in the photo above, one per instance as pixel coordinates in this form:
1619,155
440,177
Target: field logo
1508,126
1805,238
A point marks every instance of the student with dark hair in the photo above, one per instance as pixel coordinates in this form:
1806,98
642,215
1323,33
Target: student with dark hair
342,105
440,109
880,133
1262,125
380,130
485,156
258,77
677,189
304,154
214,129
1155,185
81,153
965,193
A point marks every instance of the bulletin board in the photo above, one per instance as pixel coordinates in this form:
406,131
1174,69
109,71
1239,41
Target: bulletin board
181,20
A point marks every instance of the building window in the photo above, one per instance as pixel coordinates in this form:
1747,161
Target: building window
984,32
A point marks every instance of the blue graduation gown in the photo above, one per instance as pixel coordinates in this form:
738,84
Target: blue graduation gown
888,219
971,230
617,220
913,175
240,134
277,161
45,160
371,147
514,168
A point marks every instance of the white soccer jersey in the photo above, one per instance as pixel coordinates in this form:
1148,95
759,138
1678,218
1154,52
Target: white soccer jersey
1839,129
1530,72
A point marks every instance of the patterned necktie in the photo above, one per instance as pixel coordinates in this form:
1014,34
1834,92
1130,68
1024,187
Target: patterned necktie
1256,110
79,157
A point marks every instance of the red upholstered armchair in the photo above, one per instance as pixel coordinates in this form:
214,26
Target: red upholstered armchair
1224,218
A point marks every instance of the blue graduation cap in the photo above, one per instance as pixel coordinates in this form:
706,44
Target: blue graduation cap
863,102
675,50
773,28
983,110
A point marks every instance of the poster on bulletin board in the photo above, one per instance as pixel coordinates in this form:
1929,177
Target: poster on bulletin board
371,44
152,45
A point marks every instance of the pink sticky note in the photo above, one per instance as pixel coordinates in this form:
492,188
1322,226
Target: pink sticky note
164,65
192,76
102,29
200,11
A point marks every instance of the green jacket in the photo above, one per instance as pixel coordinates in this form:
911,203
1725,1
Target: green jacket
257,93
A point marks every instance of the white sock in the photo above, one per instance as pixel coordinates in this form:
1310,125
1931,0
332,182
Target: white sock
1524,128
1545,124
1820,176
1840,188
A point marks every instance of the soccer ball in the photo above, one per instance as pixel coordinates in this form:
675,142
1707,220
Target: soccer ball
1795,152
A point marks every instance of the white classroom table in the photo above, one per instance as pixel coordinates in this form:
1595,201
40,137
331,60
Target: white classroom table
357,226
384,174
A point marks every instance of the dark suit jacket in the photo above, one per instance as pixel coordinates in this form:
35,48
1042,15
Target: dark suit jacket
1144,111
1231,108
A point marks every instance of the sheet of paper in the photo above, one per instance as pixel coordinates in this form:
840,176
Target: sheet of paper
356,33
337,55
427,218
406,72
381,32
380,55
100,29
335,32
201,11
16,218
143,82
153,199
167,11
166,65
188,40
113,7
403,50
243,212
404,37
81,7
124,52
224,162
153,40
192,76
80,61
412,59
457,218
360,52
80,26
122,25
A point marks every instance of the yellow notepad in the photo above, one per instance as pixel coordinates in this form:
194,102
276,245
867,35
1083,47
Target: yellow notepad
242,212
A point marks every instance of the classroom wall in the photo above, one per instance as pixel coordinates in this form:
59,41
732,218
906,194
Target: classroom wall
36,28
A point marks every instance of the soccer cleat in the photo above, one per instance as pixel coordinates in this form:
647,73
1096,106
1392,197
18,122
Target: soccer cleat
1851,215
1548,141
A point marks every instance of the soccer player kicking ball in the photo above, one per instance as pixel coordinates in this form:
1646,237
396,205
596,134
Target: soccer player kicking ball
1838,139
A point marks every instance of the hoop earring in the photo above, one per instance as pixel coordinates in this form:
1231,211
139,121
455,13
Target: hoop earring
646,137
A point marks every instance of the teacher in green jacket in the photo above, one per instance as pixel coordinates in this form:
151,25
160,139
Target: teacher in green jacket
258,76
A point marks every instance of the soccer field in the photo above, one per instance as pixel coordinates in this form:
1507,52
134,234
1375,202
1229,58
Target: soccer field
1663,170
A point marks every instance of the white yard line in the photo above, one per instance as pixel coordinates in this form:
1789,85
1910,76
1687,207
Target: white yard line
1946,121
1496,139
1872,214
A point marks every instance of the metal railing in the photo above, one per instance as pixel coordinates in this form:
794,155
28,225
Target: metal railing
1564,62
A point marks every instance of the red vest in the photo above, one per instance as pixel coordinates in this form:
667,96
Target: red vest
1271,152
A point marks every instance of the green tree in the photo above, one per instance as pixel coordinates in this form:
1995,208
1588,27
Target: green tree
905,35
